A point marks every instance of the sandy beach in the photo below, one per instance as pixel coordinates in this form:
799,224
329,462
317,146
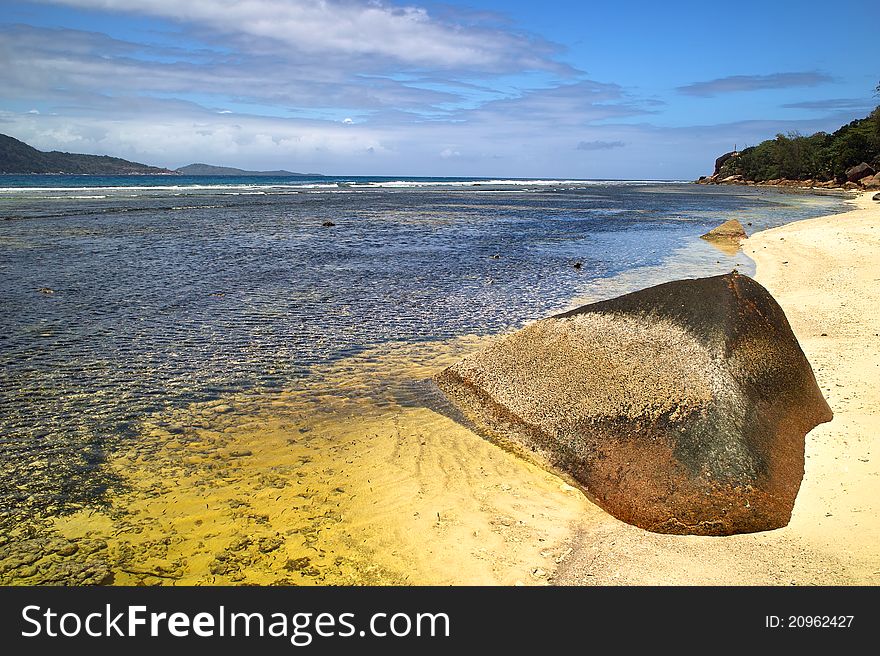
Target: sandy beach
824,272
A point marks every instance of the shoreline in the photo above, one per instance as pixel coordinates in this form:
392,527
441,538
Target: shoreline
784,183
818,270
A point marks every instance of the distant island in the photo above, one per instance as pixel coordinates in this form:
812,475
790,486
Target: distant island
848,158
207,169
17,158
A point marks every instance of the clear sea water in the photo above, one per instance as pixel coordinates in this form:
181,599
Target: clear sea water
123,296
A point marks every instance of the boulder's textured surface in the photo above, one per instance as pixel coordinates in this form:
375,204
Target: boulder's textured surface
731,230
859,171
680,408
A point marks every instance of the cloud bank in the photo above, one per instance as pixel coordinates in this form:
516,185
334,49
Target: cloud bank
354,87
740,83
599,145
408,35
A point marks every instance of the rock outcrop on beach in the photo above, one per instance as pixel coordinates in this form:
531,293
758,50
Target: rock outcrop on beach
776,182
872,182
680,408
844,159
859,171
729,231
721,161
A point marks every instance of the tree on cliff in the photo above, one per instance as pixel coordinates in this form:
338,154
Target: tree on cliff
820,156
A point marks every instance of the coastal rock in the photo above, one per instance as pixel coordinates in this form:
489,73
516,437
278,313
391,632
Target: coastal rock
680,408
876,197
731,230
721,161
859,171
871,183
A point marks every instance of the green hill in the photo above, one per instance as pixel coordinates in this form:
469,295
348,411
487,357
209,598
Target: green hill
820,157
16,157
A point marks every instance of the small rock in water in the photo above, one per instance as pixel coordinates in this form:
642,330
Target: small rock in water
578,265
496,257
328,224
731,230
46,290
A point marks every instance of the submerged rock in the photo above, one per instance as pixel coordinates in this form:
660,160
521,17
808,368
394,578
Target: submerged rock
731,230
680,408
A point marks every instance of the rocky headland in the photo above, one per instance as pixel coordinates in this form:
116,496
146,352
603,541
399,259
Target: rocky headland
847,159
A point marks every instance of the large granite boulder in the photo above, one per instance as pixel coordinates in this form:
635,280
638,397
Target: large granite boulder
859,171
680,408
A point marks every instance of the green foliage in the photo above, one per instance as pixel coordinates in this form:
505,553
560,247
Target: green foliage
819,156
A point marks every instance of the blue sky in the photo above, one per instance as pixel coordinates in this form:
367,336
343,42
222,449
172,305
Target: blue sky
635,90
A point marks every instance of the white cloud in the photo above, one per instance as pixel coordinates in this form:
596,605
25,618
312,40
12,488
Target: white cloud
332,27
175,139
80,67
270,61
171,134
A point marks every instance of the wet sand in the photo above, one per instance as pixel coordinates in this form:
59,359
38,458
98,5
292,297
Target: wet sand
825,273
350,480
